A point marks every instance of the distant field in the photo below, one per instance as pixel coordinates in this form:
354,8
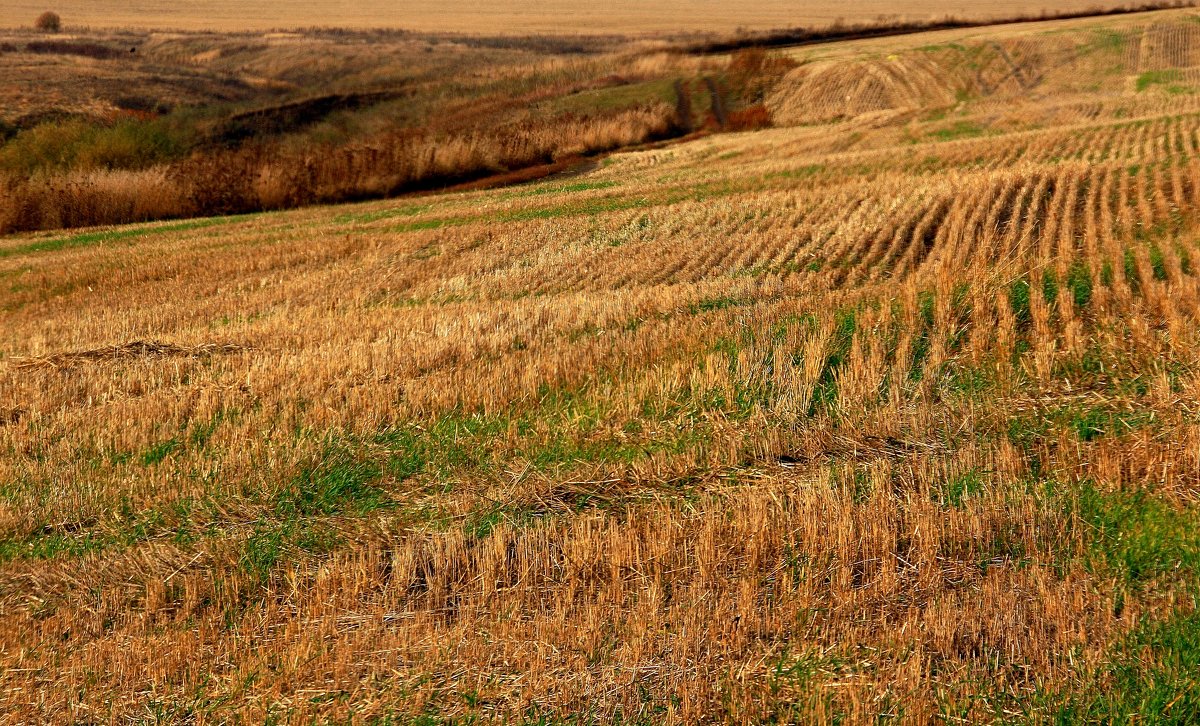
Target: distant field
514,16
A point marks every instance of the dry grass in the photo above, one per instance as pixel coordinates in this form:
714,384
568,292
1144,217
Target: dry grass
892,414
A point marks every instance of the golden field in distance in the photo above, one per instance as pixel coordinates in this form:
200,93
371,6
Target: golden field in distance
515,16
888,413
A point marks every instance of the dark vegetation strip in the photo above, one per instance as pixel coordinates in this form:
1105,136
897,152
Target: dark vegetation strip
88,50
590,44
791,37
290,117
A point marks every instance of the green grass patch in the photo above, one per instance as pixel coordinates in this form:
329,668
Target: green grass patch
449,444
1106,274
1105,40
1185,259
583,186
410,210
77,539
585,208
967,381
1138,537
558,432
940,47
922,341
1150,79
354,477
49,545
481,522
1158,264
1151,677
339,484
824,395
1085,423
1050,286
712,304
566,449
433,224
1019,297
1089,424
1129,268
157,453
1079,282
935,115
590,207
959,130
274,542
1153,674
955,492
88,239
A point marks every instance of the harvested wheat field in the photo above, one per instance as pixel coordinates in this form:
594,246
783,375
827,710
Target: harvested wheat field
888,412
518,16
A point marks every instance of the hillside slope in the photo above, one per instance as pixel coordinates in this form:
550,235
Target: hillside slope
890,414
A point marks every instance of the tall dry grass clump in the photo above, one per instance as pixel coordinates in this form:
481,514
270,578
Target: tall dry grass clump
85,199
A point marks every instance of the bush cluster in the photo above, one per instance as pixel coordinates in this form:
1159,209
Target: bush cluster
48,22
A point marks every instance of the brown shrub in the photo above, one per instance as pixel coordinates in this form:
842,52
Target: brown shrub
753,72
48,22
750,118
758,62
